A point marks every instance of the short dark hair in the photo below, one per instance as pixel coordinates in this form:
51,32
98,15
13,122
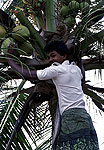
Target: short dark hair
58,46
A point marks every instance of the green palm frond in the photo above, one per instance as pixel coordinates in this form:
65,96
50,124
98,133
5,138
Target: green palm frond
36,126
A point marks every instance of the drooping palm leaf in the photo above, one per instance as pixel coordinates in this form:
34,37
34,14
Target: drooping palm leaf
34,118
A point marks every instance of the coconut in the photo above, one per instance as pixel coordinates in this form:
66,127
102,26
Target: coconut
20,33
64,11
2,32
70,21
6,43
38,4
84,6
18,37
25,48
73,5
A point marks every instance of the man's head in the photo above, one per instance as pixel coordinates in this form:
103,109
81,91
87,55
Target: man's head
57,51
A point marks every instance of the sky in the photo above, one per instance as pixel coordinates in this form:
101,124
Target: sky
96,115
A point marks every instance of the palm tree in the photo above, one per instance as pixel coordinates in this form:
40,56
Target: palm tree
27,114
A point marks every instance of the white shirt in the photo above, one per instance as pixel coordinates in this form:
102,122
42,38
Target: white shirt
67,79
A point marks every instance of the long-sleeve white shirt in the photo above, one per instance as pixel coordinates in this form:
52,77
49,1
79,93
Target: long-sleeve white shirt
67,79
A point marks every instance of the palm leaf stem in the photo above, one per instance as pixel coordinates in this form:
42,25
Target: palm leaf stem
50,19
93,95
27,90
98,89
24,114
40,21
91,66
100,4
93,16
10,107
99,105
91,39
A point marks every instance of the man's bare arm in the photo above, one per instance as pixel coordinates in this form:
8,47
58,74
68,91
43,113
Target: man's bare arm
27,74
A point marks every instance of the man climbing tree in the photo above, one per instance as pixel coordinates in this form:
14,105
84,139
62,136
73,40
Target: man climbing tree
75,129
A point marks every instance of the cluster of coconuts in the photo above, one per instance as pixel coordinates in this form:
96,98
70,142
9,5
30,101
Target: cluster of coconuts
19,36
70,8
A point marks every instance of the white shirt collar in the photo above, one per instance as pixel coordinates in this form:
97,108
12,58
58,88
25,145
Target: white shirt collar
66,62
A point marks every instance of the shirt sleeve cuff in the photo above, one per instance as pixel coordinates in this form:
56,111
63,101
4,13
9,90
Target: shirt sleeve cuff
39,74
